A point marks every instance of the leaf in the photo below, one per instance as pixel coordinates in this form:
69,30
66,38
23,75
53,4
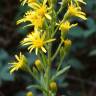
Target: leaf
31,58
76,64
33,86
5,75
3,54
76,32
37,87
60,72
90,23
93,53
89,32
21,93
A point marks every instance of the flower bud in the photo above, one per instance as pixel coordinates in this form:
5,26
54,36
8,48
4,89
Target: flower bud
67,42
35,72
29,93
53,86
38,64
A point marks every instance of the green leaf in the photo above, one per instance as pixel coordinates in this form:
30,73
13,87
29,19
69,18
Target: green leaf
76,64
31,58
89,32
3,54
60,72
76,32
5,75
93,53
33,86
21,93
90,23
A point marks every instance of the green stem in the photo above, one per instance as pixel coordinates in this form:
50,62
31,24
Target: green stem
59,65
62,6
55,31
29,70
57,51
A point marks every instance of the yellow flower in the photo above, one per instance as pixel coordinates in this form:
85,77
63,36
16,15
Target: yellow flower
74,10
29,93
36,40
20,63
33,18
65,26
42,9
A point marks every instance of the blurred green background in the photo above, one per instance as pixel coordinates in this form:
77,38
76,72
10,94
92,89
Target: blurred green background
81,78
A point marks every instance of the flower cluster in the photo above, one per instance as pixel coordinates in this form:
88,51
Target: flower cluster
43,17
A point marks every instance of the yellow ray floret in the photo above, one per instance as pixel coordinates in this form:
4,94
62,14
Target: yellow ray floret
20,63
81,1
36,40
33,18
74,10
27,1
42,9
65,26
77,1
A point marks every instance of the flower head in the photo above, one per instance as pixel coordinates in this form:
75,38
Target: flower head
74,10
36,40
42,9
20,63
65,26
33,18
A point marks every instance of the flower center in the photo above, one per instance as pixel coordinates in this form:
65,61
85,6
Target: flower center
72,10
38,43
42,10
64,27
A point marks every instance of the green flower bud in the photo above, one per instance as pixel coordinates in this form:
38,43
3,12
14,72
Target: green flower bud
35,72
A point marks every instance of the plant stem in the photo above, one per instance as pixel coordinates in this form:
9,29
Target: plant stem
62,6
29,70
56,53
59,65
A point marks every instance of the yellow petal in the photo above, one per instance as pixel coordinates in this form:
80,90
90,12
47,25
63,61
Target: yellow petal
43,49
36,51
48,16
50,40
44,2
17,57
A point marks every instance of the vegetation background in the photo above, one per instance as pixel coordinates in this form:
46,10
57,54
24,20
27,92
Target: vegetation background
81,78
